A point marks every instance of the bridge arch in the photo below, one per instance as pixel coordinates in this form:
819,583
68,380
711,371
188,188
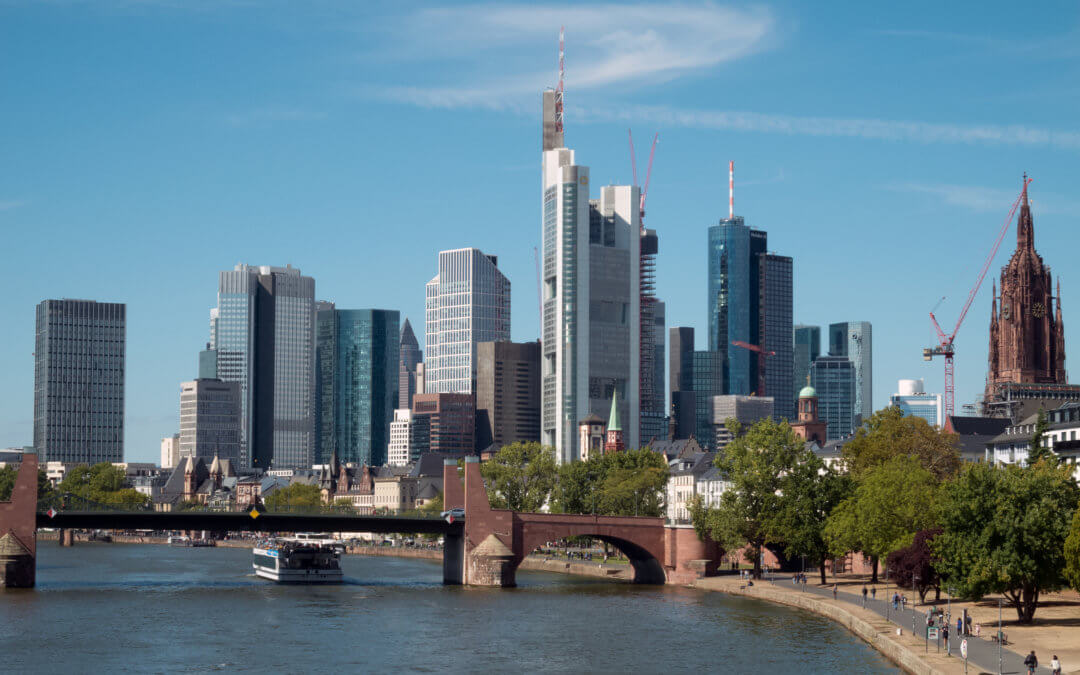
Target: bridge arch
641,540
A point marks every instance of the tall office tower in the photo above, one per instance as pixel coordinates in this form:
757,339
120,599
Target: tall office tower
79,381
855,340
444,423
734,299
326,328
358,373
708,381
264,335
400,450
683,421
507,393
170,451
207,364
833,378
591,299
775,321
468,302
912,399
746,410
210,420
807,347
411,356
654,422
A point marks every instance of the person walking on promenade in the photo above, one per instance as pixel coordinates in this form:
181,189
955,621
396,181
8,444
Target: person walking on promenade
895,601
1055,665
903,602
873,592
864,591
834,591
945,637
1031,662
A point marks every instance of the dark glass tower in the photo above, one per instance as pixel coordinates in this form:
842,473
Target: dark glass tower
79,381
410,357
775,319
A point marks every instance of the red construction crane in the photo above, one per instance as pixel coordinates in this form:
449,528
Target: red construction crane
648,172
762,354
945,347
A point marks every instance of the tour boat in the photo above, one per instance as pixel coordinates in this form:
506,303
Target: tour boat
299,560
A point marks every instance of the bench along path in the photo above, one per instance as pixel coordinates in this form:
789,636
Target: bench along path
982,652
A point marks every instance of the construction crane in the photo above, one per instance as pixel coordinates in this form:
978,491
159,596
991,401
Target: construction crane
762,354
648,248
945,346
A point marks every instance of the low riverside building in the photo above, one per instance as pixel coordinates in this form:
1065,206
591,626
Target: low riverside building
1013,446
683,484
395,493
974,434
193,481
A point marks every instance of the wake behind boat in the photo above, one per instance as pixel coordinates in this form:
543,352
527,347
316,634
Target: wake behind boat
299,560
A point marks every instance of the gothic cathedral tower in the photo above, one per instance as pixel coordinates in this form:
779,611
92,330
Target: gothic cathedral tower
1027,337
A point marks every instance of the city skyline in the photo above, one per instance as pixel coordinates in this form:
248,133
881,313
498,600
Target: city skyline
927,210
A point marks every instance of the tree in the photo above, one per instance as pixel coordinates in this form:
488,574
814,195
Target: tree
579,486
7,482
1004,531
633,483
1039,451
755,463
1072,552
890,504
810,491
913,565
520,476
295,497
888,433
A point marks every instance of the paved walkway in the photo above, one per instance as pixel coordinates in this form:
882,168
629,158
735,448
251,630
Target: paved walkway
982,653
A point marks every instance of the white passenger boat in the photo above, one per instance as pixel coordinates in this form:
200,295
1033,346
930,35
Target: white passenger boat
299,560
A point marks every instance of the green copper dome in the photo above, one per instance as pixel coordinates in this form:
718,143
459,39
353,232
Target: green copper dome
807,392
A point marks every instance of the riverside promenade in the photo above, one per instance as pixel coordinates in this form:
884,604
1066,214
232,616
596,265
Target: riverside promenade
909,651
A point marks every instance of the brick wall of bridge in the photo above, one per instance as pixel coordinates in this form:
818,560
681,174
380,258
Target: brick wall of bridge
18,529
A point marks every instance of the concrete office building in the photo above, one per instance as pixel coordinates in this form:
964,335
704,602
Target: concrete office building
444,423
807,347
746,410
79,353
468,302
507,393
833,379
359,366
264,334
170,451
401,449
591,298
411,357
855,340
210,420
775,321
912,399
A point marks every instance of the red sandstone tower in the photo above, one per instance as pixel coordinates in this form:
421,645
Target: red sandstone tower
1027,336
614,442
809,427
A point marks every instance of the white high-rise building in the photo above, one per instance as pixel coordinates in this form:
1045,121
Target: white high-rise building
170,451
401,438
591,302
912,399
468,302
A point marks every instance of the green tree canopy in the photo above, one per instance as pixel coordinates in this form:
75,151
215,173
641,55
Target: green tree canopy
809,493
102,483
890,504
1072,552
579,486
756,464
1005,530
628,483
1039,451
7,482
295,497
521,476
888,433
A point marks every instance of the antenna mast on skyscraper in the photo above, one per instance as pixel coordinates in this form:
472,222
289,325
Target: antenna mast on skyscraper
731,190
562,77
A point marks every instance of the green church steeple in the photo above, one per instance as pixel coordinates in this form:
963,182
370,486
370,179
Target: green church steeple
613,419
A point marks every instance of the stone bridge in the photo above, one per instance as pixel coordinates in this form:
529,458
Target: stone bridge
496,541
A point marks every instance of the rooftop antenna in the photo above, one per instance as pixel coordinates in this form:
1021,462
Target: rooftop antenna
562,76
731,190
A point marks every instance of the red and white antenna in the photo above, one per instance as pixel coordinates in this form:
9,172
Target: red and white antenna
731,190
562,76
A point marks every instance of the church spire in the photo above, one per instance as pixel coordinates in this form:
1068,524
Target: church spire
1025,228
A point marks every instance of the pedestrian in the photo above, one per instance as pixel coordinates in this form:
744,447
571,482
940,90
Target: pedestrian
959,626
1031,662
1055,665
873,592
945,637
903,602
834,591
864,596
895,601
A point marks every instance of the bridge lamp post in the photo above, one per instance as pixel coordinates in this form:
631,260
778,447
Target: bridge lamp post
914,579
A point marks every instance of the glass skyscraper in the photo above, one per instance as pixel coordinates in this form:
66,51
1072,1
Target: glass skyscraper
913,400
834,379
708,381
79,353
358,354
264,336
468,302
776,334
855,340
807,348
729,299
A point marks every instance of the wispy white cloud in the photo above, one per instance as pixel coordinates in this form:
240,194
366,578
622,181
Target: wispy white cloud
607,45
8,205
876,129
984,199
272,114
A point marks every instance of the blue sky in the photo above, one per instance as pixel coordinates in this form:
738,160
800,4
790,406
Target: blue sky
145,145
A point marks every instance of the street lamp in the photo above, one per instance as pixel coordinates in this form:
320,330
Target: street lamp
914,579
999,636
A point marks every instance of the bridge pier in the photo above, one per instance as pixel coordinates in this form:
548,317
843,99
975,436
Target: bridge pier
453,561
18,529
67,537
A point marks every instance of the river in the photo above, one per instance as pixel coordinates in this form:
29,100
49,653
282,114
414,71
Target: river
128,608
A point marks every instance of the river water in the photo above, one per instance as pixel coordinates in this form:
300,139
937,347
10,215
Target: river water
145,609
